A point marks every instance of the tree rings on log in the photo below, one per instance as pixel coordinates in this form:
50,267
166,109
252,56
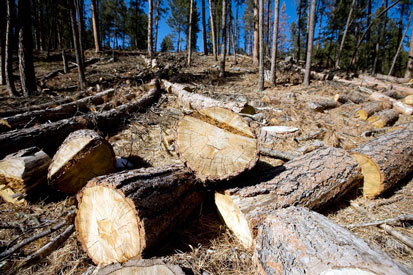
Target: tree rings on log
216,144
385,160
83,155
311,181
141,267
123,214
298,241
270,134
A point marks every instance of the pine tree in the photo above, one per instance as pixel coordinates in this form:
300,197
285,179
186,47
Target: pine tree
9,46
95,23
310,44
275,42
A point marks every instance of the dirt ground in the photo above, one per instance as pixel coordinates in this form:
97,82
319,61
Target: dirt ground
202,245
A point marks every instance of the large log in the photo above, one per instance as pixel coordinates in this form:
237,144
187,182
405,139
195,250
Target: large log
384,118
141,267
311,181
385,160
369,109
22,171
57,113
83,155
296,240
216,144
197,101
397,105
123,214
41,135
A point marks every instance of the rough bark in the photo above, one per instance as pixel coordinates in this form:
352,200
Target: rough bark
21,171
3,24
310,44
385,160
261,45
150,24
255,50
409,69
384,118
373,107
224,39
196,101
76,41
124,214
392,78
157,17
9,48
95,23
397,105
84,154
321,105
343,39
216,144
272,134
296,240
64,61
147,266
349,97
212,23
61,112
190,34
311,181
273,78
40,135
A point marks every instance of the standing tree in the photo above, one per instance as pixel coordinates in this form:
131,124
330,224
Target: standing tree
95,23
26,68
3,23
224,38
255,51
213,33
310,44
176,21
11,7
189,45
261,44
275,42
76,42
400,45
204,36
167,43
337,64
409,69
150,23
159,11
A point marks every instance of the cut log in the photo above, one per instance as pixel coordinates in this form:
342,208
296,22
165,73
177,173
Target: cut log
141,267
123,214
83,155
322,105
298,241
392,78
57,113
350,97
197,101
21,171
408,100
397,105
40,135
384,118
216,144
311,181
372,108
385,160
270,134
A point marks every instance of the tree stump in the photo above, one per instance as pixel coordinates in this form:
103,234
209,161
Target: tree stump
83,155
216,144
385,160
298,241
141,267
123,214
311,181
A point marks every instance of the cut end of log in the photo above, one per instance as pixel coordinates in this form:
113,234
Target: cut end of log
348,271
234,218
108,227
216,143
361,114
373,180
141,267
83,155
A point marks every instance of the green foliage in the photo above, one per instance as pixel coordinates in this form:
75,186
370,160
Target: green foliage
167,43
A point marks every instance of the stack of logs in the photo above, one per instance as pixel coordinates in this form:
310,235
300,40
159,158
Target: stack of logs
122,215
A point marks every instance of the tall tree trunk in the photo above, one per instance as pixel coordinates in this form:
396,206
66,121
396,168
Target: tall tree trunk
400,31
400,45
178,42
150,23
377,48
255,51
79,11
190,34
212,23
3,23
274,43
76,40
261,36
267,47
368,51
409,69
9,48
343,39
157,6
95,22
310,44
224,38
299,31
26,68
42,40
204,37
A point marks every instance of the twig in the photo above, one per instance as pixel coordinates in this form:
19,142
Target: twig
391,220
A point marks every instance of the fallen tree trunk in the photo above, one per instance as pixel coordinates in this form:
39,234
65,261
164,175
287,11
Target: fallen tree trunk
384,118
397,105
392,78
216,144
311,181
22,171
40,135
385,160
349,97
369,109
197,101
322,105
141,267
123,214
296,240
57,113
